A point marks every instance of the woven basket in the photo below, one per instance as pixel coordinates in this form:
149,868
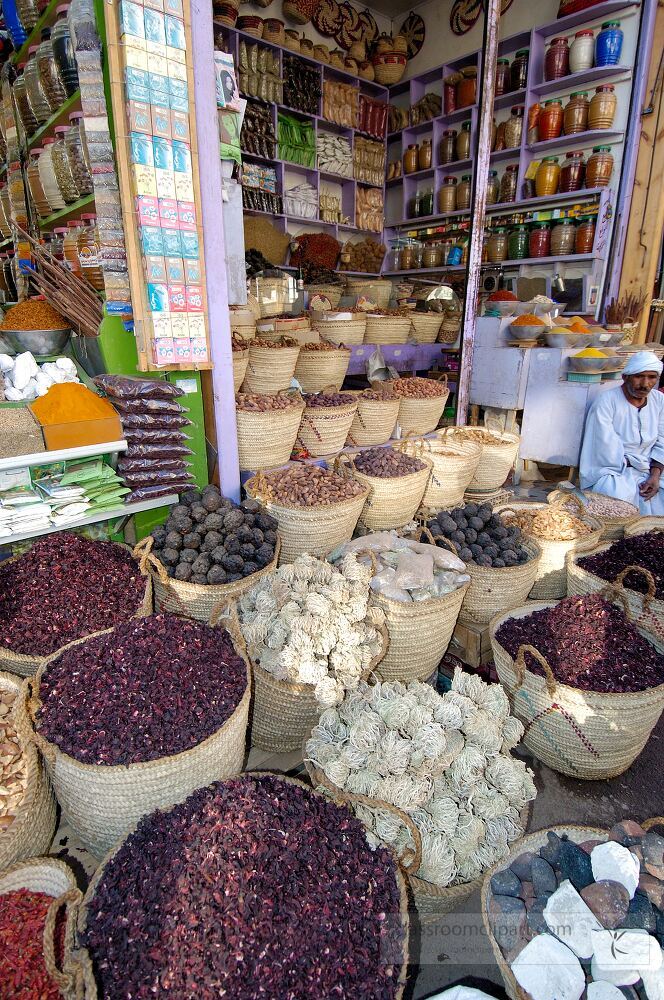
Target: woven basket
316,370
393,500
374,421
378,290
270,369
612,527
273,31
26,666
316,530
453,467
251,24
324,429
294,13
32,831
333,293
421,416
389,68
341,331
585,734
496,460
192,600
240,362
426,326
101,803
494,590
387,329
266,437
551,581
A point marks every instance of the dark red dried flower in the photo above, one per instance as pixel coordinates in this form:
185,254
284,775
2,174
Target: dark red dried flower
646,551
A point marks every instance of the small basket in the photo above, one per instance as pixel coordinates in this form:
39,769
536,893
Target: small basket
316,370
251,24
421,416
294,12
240,362
291,39
493,590
496,459
273,31
341,331
324,429
378,291
374,421
322,53
389,68
393,500
333,293
266,438
426,326
612,527
270,369
387,329
453,468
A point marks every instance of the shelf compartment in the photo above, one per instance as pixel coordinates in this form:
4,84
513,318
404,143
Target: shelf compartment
127,510
596,74
593,137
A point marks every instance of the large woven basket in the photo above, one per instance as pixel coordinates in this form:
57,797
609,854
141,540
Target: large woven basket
454,465
316,530
403,896
270,369
316,370
425,326
240,362
26,665
585,734
376,290
392,501
496,460
374,421
341,331
333,293
494,590
102,802
267,437
387,329
324,429
193,600
421,416
612,527
551,581
32,831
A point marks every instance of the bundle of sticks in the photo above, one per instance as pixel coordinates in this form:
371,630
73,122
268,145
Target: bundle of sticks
73,297
626,309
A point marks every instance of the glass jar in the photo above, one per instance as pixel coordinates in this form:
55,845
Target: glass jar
539,241
585,234
463,192
556,60
447,195
10,278
547,177
28,13
466,90
431,256
463,142
426,203
410,159
77,151
603,107
517,243
582,51
18,210
63,51
70,247
37,193
424,155
62,165
41,109
514,127
494,132
88,252
49,75
492,188
508,183
48,177
608,44
576,113
502,77
563,238
519,70
572,172
599,167
30,123
497,246
5,227
447,148
550,121
6,204
449,94
56,247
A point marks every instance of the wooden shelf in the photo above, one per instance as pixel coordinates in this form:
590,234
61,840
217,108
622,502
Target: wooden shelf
69,212
59,117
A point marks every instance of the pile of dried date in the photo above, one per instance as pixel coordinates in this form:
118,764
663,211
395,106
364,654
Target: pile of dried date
319,400
387,463
310,486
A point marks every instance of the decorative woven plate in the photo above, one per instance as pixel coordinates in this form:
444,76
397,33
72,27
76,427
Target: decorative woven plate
352,29
327,18
370,26
413,31
465,13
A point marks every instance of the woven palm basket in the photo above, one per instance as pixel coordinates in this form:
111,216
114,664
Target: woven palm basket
392,500
496,459
342,331
453,466
494,590
387,329
270,369
374,421
317,370
324,429
267,437
425,326
240,362
612,527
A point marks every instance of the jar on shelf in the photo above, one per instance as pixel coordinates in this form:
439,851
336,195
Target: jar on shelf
500,137
582,51
424,155
88,252
603,107
463,192
547,176
426,203
463,142
77,151
517,243
572,172
447,195
449,93
539,240
431,256
494,133
406,257
18,208
6,205
599,167
576,113
608,44
466,90
410,159
497,246
61,162
502,76
492,188
41,109
556,60
514,127
37,193
49,74
585,234
519,69
28,12
5,227
30,123
550,121
563,238
48,177
63,50
447,147
56,246
508,183
70,247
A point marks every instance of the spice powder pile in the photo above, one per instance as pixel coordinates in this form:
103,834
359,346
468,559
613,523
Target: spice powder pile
33,314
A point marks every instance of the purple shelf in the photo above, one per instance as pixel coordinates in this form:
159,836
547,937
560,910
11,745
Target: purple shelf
328,175
403,357
506,154
426,126
597,13
579,258
507,100
414,272
593,137
597,74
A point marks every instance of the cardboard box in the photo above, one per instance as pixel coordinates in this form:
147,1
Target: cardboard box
78,433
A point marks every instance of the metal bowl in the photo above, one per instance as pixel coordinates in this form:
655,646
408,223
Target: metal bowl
5,346
589,366
562,340
526,332
38,342
602,338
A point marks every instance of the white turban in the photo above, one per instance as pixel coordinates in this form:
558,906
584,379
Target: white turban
643,361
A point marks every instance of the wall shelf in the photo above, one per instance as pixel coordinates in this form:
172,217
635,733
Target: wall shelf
126,510
59,117
593,137
69,212
62,455
594,75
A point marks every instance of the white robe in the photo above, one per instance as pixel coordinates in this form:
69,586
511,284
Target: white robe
616,432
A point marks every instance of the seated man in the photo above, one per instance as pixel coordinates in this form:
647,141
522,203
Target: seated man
623,445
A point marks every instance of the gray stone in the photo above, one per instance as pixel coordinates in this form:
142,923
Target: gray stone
521,866
653,889
548,970
575,865
536,921
544,877
505,883
626,833
613,862
653,854
641,914
609,901
551,850
570,920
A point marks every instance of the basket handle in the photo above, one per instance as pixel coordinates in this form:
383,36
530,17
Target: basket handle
147,563
71,900
520,667
619,583
446,542
648,824
410,439
424,530
372,557
562,501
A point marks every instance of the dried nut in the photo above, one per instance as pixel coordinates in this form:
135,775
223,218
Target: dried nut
258,402
321,399
387,463
550,524
418,388
309,486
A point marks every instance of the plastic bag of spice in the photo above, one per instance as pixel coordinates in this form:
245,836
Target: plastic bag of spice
139,436
151,406
130,466
124,387
154,492
136,479
149,421
158,451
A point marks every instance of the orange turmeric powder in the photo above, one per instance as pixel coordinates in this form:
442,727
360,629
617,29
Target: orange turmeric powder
578,327
66,402
528,319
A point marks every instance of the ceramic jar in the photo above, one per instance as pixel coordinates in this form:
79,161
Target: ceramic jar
585,235
599,167
447,195
576,113
608,44
603,107
550,121
539,241
463,192
424,155
410,158
556,60
572,172
547,176
582,51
